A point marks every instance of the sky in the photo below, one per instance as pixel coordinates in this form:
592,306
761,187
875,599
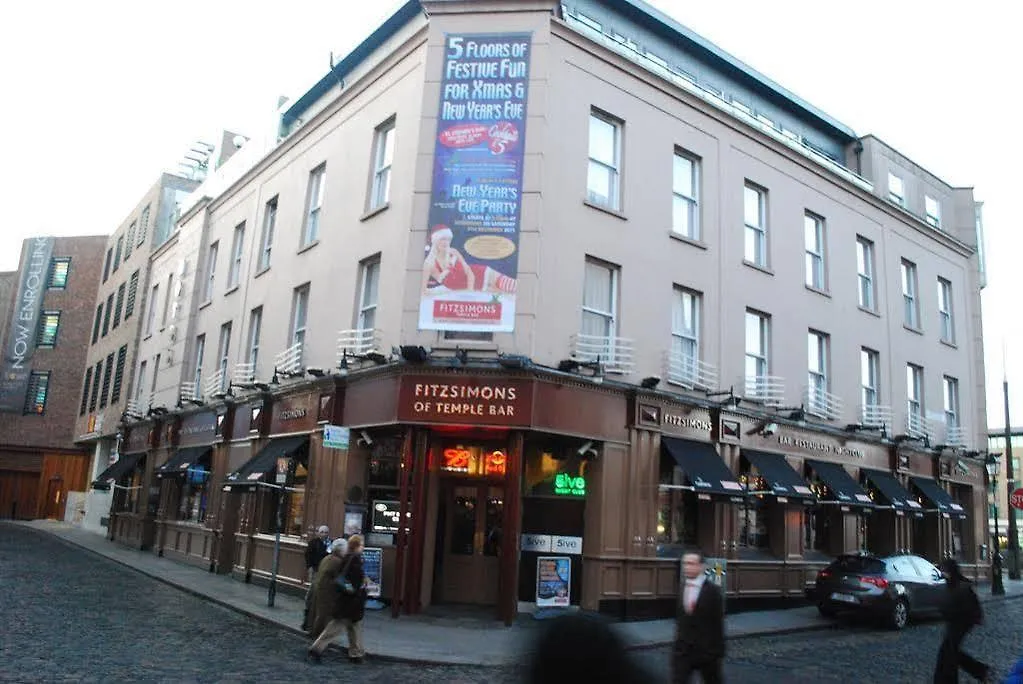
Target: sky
99,97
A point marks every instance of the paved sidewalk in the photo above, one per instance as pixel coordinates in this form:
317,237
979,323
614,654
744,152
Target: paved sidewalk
422,638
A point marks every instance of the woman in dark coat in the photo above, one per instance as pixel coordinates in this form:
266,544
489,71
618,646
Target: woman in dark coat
324,590
962,612
347,608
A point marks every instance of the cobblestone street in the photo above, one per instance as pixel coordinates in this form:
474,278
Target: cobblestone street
72,616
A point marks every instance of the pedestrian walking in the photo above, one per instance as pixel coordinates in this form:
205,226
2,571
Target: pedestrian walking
348,587
315,551
699,625
325,590
962,612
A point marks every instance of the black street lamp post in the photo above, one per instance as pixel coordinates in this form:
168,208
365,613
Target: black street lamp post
997,585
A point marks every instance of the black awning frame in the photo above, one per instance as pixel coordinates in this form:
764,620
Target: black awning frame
703,467
764,462
182,460
125,464
253,471
932,492
823,468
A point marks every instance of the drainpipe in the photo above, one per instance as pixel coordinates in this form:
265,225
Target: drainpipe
858,151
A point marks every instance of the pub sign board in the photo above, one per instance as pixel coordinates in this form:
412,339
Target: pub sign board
469,399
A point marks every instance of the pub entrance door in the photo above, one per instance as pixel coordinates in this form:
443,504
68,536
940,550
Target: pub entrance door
469,541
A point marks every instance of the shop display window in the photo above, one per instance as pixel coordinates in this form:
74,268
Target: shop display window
133,493
754,531
555,472
677,512
194,495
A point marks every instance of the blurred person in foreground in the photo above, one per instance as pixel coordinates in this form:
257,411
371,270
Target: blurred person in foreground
345,588
962,612
315,551
699,625
581,648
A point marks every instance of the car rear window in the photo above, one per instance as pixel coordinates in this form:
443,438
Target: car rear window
859,564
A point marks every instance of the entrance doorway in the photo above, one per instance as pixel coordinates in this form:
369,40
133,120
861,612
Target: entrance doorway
54,499
469,542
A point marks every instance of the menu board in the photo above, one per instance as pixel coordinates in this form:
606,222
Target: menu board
372,566
553,581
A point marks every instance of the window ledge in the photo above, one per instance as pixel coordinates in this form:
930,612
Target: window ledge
872,312
233,288
374,211
688,240
817,290
607,210
261,272
757,267
205,304
918,331
950,343
306,248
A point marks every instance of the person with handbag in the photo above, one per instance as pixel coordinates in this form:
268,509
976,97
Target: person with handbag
349,605
323,592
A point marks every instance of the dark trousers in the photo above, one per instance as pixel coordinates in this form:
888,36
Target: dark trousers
951,658
709,670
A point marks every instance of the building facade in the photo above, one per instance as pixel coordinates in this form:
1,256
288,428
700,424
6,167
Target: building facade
45,331
538,295
999,498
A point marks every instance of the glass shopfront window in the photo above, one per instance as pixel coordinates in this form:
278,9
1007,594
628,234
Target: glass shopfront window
293,503
817,528
962,531
133,494
194,495
677,511
555,472
292,499
754,530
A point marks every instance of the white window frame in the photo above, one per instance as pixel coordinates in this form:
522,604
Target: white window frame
224,353
383,160
200,353
755,231
870,377
167,300
910,300
314,202
237,250
211,271
610,317
761,357
266,238
915,391
141,380
683,203
816,250
255,325
950,397
946,311
896,189
817,344
154,294
299,317
369,293
611,167
932,211
686,341
867,295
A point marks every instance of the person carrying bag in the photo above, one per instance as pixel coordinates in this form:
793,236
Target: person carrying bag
349,607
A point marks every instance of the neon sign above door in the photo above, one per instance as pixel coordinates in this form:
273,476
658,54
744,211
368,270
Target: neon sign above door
474,461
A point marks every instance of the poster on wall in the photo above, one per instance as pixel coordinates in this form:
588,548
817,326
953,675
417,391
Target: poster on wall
470,269
372,562
553,581
23,331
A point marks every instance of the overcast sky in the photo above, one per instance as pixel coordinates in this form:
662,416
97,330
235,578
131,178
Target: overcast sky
98,97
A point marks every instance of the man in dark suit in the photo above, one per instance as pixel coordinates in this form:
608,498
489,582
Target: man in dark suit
699,626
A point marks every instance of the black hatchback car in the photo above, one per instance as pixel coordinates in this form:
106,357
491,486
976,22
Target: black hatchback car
892,588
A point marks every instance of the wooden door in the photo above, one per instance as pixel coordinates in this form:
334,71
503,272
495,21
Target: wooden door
53,506
472,543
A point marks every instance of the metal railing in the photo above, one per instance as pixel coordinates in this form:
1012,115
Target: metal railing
955,435
136,408
875,415
358,341
821,403
690,372
917,425
613,353
189,392
289,360
767,389
244,373
216,383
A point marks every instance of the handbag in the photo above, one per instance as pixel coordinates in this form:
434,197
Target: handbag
341,580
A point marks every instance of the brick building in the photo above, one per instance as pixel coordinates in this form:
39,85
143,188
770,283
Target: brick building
47,306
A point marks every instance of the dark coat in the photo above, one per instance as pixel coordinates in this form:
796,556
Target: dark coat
352,606
324,594
700,636
962,612
315,552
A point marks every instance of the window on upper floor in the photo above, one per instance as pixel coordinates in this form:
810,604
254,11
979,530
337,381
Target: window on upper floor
870,381
106,264
168,301
915,397
129,303
600,301
816,254
106,314
948,331
896,189
603,176
86,387
118,305
755,218
932,211
108,372
266,238
368,293
156,375
383,156
143,225
154,297
865,273
200,353
59,269
685,334
817,344
911,304
685,207
140,381
314,204
97,323
95,385
38,390
122,358
237,247
950,390
49,325
224,354
299,314
211,272
255,325
118,253
129,241
758,331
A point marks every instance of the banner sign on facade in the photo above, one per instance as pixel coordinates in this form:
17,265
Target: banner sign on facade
470,272
24,328
553,581
372,564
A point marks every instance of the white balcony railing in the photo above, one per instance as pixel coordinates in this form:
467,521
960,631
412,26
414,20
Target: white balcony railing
189,392
689,372
136,408
357,342
917,426
955,435
244,373
613,353
876,416
767,389
216,383
821,403
289,360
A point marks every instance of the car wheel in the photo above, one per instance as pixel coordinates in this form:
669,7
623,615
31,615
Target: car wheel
900,614
826,611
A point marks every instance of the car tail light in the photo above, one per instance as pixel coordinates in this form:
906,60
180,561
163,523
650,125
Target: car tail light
824,574
879,582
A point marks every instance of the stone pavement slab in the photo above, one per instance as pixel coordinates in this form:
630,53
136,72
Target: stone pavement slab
424,638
